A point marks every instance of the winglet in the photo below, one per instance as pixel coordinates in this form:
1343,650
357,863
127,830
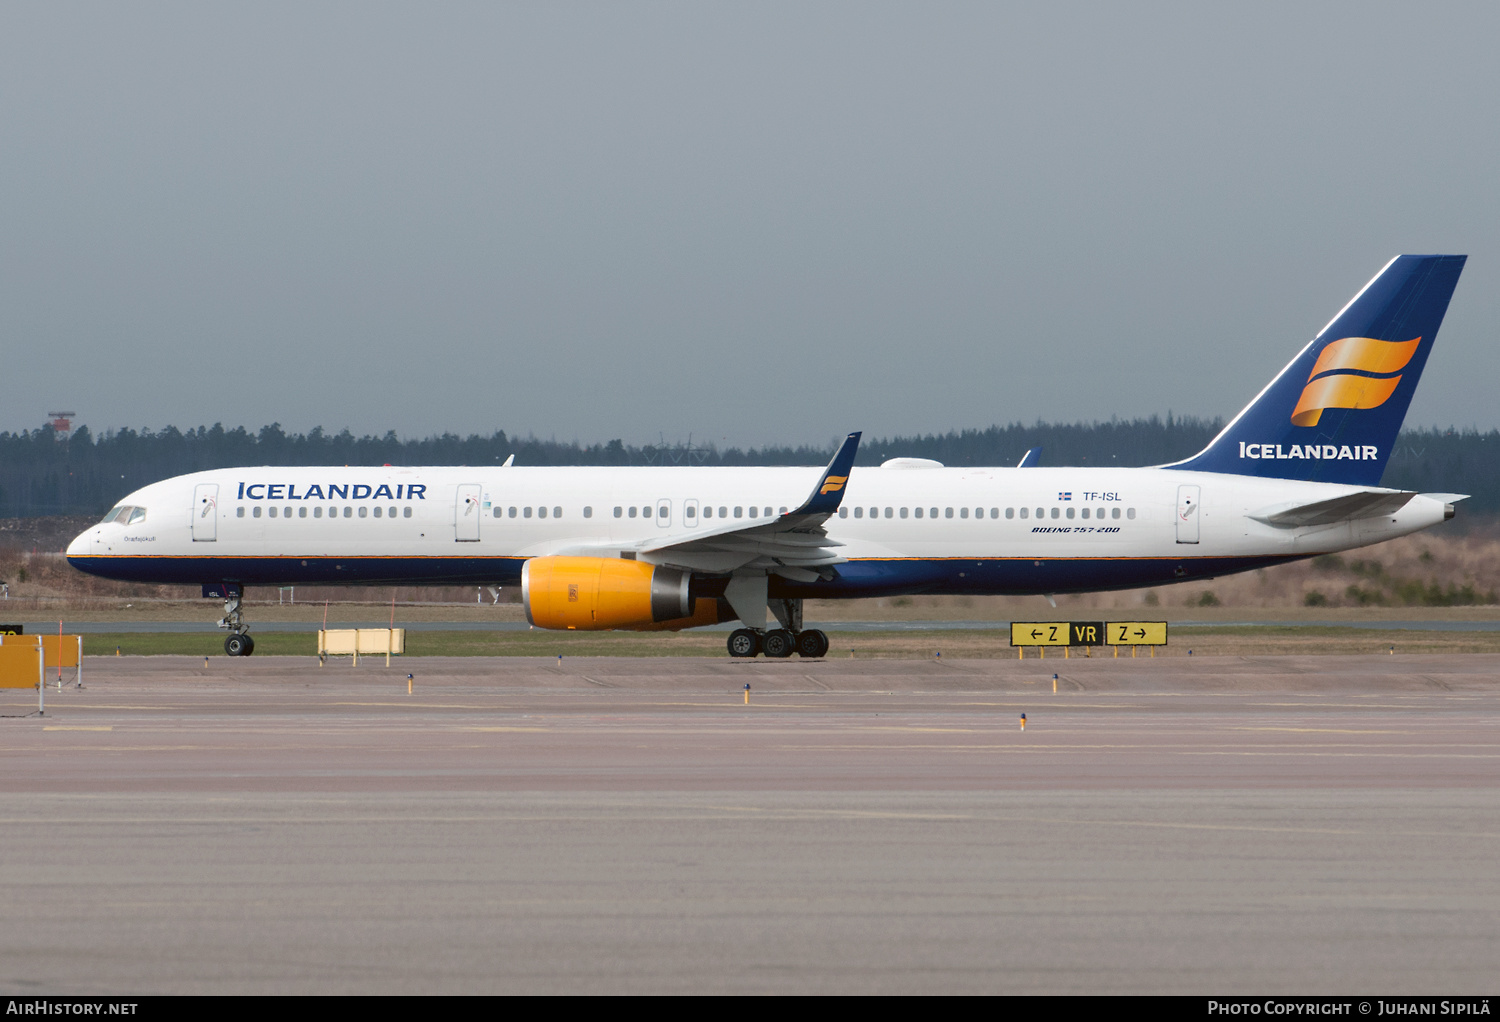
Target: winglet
829,493
1031,459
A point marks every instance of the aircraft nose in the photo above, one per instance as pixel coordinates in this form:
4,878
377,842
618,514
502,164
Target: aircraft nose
80,545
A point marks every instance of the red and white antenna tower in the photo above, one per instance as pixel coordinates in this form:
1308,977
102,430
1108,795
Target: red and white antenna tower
62,423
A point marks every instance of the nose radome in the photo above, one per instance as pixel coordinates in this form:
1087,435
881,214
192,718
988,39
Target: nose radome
80,545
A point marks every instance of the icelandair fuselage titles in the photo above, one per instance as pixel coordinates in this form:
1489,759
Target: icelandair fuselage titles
1294,475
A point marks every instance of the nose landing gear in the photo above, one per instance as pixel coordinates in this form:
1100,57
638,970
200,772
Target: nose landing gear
239,644
238,641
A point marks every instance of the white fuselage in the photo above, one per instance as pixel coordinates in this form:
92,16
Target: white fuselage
909,530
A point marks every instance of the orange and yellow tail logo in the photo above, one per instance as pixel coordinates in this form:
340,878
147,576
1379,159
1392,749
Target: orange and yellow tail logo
833,484
1341,388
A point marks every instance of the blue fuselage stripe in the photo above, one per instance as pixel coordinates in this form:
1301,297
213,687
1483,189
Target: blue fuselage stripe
855,578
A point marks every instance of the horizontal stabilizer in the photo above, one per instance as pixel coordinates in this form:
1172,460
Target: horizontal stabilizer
1365,504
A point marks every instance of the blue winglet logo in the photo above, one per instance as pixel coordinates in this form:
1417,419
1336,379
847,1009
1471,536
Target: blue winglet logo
829,492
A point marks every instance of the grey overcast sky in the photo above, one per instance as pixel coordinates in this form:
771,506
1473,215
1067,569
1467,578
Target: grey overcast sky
750,222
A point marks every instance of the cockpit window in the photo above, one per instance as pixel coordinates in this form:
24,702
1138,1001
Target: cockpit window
137,514
114,513
125,515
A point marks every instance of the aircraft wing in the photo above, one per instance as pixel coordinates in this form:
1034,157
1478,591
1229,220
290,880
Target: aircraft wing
1364,504
793,545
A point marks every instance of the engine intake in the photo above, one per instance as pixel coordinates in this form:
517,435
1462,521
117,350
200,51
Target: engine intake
596,593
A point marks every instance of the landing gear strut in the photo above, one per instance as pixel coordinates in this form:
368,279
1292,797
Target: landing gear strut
745,596
238,641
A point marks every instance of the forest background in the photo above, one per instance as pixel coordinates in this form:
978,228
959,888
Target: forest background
41,474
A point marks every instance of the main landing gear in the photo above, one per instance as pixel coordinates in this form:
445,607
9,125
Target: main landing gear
778,643
238,641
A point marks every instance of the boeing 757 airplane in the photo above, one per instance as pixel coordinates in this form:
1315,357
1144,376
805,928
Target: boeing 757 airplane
1295,474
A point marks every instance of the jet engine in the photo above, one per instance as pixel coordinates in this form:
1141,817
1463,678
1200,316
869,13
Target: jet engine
596,593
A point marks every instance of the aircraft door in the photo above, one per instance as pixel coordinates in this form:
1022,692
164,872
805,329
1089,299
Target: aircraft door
205,521
690,513
1188,514
663,513
466,514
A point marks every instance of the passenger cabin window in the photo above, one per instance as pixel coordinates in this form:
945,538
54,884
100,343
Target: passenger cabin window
302,511
632,512
406,512
843,512
739,511
1056,512
526,512
753,511
690,512
724,512
255,513
1114,512
363,511
1010,512
1130,512
916,512
377,512
348,512
963,512
557,512
588,512
318,512
947,512
1070,512
646,511
541,512
859,512
239,512
272,512
1024,511
903,512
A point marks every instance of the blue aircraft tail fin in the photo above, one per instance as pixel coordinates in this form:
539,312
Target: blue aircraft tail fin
1333,413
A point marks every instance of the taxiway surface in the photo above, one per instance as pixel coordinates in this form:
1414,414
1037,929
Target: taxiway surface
1206,825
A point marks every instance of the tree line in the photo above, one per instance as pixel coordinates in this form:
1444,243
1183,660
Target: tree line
87,474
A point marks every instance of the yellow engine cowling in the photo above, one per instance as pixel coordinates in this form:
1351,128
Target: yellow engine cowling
596,593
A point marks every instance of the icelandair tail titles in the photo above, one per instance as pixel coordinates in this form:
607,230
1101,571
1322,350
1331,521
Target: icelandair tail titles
1324,452
1295,474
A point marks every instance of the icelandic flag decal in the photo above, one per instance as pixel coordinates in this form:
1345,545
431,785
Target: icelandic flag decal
1065,496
